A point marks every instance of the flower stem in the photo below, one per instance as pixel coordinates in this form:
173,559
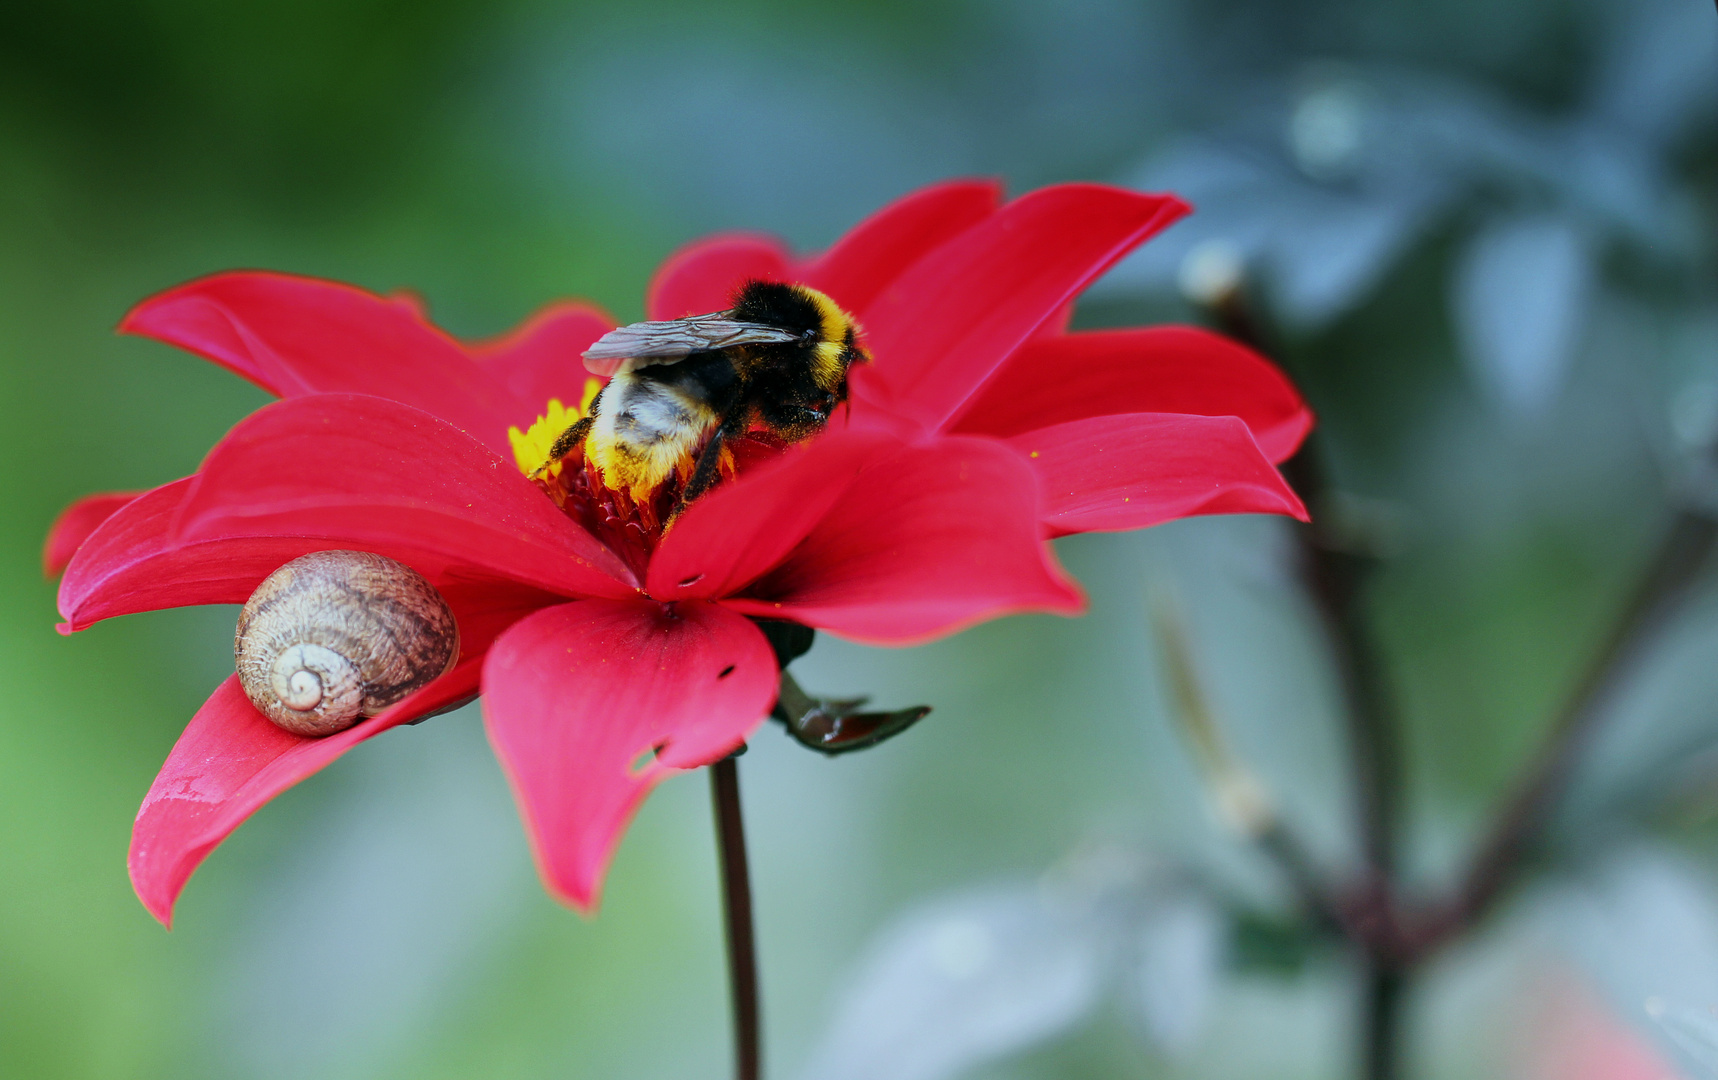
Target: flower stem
1683,552
1382,1018
1334,568
737,912
1335,577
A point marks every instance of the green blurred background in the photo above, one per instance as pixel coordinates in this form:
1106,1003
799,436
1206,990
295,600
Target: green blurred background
1481,231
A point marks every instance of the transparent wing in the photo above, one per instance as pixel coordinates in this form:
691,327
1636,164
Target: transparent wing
644,343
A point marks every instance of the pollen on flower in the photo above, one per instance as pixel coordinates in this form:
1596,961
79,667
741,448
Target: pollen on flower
531,448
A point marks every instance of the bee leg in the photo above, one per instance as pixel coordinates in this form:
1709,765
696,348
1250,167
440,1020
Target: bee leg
709,465
570,438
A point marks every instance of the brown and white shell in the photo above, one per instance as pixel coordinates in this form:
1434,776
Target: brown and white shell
335,636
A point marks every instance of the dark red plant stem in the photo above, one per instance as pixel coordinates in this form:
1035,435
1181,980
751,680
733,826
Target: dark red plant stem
1382,1037
737,912
1334,576
1334,573
1334,567
1682,553
1306,878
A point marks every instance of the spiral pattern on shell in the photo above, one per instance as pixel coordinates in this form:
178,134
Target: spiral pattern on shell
335,636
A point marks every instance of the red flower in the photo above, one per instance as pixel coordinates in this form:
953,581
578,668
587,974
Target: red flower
981,428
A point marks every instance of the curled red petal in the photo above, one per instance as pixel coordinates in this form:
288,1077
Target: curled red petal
932,538
230,761
1138,469
128,564
294,336
702,276
1158,369
939,330
575,695
879,249
74,524
730,537
376,475
542,358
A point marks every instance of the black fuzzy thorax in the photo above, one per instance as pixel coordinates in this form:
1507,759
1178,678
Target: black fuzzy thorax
782,306
774,386
781,392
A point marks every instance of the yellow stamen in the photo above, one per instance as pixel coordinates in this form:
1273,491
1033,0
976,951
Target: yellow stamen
531,448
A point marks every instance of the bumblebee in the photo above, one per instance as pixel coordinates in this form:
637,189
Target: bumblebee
682,391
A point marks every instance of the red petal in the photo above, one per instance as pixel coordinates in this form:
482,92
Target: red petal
942,327
229,762
930,539
1139,469
368,473
702,276
294,336
1159,369
727,539
128,565
542,358
575,694
879,249
75,523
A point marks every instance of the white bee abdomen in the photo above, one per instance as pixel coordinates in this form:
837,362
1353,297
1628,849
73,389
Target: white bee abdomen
644,430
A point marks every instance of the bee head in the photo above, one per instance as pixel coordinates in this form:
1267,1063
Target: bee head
830,334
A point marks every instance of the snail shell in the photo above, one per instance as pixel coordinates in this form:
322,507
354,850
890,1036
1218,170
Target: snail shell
337,635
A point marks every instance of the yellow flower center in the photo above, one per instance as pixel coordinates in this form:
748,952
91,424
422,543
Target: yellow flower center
531,448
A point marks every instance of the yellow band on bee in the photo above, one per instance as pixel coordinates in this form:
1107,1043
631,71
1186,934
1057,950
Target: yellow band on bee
827,367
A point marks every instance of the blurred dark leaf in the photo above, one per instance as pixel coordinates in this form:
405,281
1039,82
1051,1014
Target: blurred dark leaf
954,984
1181,961
1696,1033
1520,295
1322,248
1660,71
1659,742
1645,924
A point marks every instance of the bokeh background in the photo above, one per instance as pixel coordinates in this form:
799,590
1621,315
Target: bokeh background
1482,233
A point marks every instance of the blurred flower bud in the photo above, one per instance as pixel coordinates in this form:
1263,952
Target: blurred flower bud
1694,414
1211,272
1326,129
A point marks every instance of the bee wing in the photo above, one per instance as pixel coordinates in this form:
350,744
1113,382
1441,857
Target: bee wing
645,343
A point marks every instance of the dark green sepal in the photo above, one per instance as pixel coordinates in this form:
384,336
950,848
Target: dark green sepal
838,727
790,640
